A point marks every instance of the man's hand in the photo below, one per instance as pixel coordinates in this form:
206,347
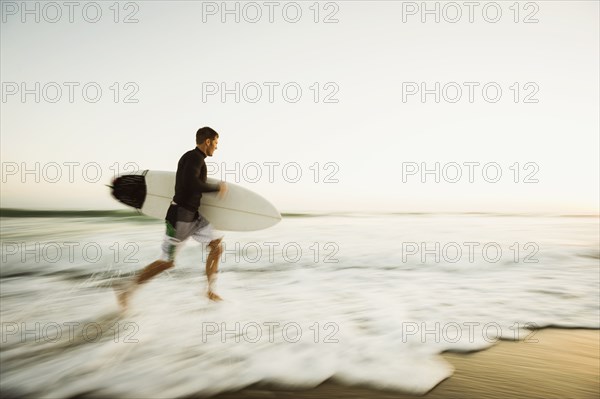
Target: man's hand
222,190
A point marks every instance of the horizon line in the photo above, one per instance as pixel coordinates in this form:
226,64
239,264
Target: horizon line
30,212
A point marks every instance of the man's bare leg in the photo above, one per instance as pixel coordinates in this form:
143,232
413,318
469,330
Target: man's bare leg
149,271
212,266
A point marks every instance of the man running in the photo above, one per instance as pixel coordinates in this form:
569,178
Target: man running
183,220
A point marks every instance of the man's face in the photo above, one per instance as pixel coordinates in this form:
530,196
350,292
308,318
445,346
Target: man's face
211,146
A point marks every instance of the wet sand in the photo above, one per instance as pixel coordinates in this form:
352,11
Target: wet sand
563,363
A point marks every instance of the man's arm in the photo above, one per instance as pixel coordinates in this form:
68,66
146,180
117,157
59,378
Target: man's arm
191,173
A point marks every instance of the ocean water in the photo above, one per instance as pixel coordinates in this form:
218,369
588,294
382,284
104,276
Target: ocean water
361,299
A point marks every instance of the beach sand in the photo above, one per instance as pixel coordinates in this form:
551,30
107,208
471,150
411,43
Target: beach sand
563,363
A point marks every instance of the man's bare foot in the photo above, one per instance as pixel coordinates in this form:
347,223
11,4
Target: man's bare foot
214,297
123,299
124,294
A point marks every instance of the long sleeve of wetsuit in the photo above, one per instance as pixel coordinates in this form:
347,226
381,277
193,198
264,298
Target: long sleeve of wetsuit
194,177
190,180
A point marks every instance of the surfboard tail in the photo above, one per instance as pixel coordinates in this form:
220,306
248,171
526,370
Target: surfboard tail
130,190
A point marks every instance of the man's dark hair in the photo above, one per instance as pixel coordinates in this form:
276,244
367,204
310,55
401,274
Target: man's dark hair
205,133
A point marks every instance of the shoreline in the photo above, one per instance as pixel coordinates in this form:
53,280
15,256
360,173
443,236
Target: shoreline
565,362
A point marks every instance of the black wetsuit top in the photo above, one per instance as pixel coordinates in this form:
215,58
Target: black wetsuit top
190,180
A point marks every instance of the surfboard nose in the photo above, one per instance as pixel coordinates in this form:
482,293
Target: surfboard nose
130,189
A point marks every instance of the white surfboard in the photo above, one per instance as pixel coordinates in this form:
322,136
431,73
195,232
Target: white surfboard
152,191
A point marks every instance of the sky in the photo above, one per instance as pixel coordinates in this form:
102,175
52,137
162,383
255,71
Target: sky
320,106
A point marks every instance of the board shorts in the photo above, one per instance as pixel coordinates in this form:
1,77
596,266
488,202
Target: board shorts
181,225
